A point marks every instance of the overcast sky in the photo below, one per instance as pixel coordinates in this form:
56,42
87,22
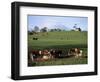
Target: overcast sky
62,22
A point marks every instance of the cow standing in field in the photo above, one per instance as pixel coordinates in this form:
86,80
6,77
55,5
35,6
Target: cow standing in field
75,52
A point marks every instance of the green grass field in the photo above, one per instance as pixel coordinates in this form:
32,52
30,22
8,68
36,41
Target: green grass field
59,40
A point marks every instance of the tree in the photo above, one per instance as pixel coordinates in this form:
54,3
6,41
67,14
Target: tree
36,28
30,32
51,30
58,29
44,29
80,29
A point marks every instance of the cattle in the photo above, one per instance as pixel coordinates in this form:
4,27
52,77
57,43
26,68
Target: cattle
47,55
75,52
34,54
34,38
56,53
43,55
40,55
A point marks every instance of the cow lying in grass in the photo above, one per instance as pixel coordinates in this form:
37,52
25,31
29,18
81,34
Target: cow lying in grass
56,53
40,55
43,55
75,52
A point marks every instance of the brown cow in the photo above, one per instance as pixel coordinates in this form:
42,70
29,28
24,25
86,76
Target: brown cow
40,55
75,52
47,55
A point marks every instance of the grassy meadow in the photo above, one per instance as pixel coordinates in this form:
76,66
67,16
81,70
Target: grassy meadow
63,40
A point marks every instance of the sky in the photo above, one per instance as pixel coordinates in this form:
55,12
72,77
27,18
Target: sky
62,22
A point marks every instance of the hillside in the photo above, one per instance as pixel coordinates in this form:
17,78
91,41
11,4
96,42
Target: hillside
59,40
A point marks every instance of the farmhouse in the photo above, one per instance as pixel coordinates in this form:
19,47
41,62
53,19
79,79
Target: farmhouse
75,28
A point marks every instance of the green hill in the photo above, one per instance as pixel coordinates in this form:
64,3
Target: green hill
59,40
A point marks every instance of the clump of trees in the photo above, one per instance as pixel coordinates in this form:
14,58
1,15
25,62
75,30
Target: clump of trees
45,29
36,29
55,29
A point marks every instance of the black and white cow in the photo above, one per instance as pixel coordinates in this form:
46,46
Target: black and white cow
56,53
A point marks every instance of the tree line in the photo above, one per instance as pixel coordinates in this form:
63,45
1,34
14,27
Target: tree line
45,29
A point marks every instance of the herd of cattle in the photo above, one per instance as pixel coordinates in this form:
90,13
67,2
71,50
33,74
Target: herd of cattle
41,55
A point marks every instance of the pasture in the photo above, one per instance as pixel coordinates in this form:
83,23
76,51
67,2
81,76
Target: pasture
63,40
63,61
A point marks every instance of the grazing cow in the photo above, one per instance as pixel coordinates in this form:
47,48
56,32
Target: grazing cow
75,52
35,38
